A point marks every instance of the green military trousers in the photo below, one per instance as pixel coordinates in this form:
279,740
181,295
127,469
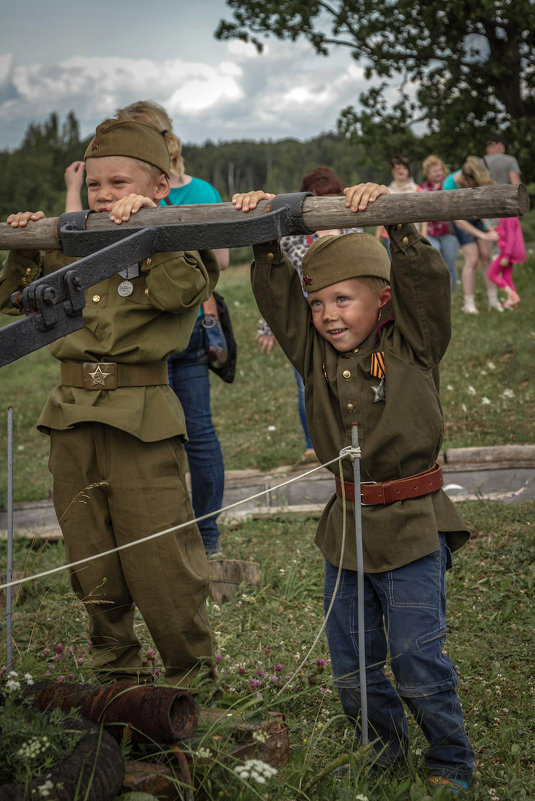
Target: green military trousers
110,489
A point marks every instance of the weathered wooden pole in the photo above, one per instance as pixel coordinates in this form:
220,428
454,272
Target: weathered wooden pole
317,213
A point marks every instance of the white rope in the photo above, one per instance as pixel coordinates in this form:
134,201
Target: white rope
148,538
343,453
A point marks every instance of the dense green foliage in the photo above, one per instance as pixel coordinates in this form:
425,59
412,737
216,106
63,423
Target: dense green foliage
461,68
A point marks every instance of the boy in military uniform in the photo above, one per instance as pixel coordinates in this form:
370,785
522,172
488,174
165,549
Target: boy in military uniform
117,429
368,340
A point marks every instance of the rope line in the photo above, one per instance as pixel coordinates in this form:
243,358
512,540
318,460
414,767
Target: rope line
345,452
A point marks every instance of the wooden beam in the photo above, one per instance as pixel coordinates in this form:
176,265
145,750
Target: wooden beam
318,213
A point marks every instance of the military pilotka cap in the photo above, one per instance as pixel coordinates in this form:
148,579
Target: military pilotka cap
133,139
337,257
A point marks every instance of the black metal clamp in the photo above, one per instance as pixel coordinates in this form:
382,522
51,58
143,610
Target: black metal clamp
54,303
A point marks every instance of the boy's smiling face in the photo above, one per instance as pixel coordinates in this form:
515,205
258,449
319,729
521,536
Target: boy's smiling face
110,178
345,313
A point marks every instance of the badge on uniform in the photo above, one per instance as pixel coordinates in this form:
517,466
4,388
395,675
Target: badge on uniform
126,287
377,370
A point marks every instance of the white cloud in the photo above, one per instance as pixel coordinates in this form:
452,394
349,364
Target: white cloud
286,91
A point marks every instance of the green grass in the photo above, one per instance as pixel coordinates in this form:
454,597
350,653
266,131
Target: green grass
491,619
487,394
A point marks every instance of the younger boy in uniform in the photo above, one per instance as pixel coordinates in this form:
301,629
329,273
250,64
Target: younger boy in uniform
368,340
117,429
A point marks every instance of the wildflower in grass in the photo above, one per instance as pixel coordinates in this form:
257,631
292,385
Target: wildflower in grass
46,652
491,365
59,648
255,770
508,393
485,401
204,753
260,673
34,748
321,664
255,683
151,653
45,789
361,797
267,649
279,668
471,390
218,657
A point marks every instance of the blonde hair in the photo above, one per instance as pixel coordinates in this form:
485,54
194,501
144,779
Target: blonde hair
374,283
153,114
474,173
433,161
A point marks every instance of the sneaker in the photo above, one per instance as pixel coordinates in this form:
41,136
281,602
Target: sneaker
214,554
470,308
495,305
454,786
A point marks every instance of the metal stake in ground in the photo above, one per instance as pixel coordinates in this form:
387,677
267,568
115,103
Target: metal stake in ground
360,587
9,569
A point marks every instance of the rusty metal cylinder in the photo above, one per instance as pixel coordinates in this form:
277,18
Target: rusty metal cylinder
152,713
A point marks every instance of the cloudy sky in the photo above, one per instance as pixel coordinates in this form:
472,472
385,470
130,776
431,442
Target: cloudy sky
93,58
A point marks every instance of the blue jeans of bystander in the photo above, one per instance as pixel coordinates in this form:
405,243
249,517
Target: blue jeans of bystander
405,615
189,378
448,246
301,408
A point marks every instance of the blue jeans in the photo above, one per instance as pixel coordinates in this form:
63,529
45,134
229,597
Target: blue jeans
189,378
448,245
301,408
404,613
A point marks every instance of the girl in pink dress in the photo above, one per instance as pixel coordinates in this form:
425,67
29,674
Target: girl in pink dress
512,251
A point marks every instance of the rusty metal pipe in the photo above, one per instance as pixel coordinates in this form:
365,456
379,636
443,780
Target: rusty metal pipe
154,713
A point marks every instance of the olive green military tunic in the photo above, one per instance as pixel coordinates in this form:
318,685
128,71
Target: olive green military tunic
145,327
398,436
118,463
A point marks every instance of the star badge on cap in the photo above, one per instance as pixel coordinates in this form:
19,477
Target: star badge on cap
307,280
95,145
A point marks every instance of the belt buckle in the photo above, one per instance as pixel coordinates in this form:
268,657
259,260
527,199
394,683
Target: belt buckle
99,375
367,483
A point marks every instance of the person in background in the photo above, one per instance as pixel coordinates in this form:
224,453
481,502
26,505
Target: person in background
320,181
503,169
440,234
188,370
474,237
403,182
512,251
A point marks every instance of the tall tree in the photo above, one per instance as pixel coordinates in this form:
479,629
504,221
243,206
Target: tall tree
462,67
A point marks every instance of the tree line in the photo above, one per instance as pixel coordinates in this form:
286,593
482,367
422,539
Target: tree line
32,176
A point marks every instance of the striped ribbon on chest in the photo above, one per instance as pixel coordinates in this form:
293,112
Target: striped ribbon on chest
377,369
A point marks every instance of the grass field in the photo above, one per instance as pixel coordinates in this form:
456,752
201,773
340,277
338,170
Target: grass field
265,633
487,390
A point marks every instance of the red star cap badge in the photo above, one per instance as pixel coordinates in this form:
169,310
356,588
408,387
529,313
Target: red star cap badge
307,280
95,145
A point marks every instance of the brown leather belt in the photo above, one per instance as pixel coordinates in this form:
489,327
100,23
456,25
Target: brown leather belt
383,492
110,375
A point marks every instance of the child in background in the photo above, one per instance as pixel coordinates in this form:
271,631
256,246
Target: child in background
117,429
512,251
368,340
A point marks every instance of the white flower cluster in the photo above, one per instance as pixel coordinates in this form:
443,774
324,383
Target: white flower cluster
12,681
45,789
256,770
34,748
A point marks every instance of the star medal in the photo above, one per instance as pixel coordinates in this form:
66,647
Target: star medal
379,391
125,288
377,370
